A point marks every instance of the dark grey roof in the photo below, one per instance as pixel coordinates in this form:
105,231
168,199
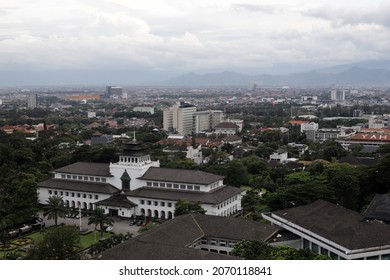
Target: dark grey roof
180,176
117,201
134,249
163,242
80,186
369,161
134,148
86,168
235,228
340,225
379,208
215,196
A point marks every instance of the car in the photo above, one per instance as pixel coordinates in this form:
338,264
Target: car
132,222
108,228
139,222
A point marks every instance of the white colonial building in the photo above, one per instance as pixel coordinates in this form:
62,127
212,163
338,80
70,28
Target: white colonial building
137,186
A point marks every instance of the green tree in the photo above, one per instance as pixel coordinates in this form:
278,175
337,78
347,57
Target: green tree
252,250
99,218
55,208
236,172
184,206
58,243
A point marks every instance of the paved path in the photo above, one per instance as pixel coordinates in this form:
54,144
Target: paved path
120,225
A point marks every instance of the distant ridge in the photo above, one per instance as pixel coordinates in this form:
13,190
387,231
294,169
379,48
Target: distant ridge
353,76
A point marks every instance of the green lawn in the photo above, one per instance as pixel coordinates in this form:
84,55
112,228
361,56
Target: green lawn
86,240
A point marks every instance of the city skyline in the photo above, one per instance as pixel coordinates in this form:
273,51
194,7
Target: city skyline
76,41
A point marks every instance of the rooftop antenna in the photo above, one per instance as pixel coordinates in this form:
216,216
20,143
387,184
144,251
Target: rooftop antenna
134,131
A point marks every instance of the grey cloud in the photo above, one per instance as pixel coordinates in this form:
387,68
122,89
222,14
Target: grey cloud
353,16
253,8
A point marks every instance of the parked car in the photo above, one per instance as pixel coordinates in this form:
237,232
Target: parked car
132,222
108,228
139,222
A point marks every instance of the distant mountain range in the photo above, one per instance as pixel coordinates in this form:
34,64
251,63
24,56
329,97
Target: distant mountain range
357,74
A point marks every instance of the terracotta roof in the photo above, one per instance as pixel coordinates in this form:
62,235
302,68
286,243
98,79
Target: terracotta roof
379,137
180,176
86,168
81,186
215,196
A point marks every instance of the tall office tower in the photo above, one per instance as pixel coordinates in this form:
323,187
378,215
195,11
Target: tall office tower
113,92
178,118
201,121
338,94
32,101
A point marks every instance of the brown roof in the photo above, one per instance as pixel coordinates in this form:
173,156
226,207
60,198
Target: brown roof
86,168
81,186
227,125
338,224
163,242
380,137
180,176
215,196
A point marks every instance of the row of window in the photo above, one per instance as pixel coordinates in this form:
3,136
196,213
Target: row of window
227,202
156,203
216,242
173,186
72,194
83,178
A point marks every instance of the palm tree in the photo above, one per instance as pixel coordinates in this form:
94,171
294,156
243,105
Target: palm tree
55,208
99,218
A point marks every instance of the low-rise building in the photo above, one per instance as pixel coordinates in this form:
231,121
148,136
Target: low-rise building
135,186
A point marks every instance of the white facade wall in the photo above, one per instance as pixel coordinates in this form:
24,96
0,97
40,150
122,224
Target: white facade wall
135,170
87,199
226,131
122,212
309,126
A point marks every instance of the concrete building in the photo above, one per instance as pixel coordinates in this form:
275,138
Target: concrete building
279,156
338,95
192,237
149,110
137,186
113,92
32,101
227,128
206,120
337,232
309,126
179,118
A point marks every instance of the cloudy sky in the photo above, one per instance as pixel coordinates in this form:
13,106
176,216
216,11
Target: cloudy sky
163,38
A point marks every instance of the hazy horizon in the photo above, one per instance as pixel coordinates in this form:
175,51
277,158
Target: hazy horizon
116,41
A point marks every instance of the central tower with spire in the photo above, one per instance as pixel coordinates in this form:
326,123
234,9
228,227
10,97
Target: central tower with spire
134,161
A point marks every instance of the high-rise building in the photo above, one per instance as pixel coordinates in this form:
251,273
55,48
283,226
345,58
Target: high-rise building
178,118
32,101
338,94
205,120
113,92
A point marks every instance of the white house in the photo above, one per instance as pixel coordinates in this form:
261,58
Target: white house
136,185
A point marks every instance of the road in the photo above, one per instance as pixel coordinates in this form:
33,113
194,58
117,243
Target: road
120,225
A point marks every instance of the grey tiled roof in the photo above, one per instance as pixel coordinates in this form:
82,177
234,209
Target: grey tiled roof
117,201
180,175
163,242
338,224
86,168
213,197
80,186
